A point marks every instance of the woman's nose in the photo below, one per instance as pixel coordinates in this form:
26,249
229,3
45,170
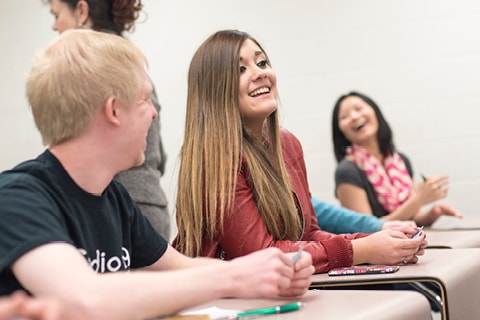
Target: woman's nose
354,114
260,74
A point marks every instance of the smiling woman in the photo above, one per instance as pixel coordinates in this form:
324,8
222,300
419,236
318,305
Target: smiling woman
243,183
372,177
221,127
257,99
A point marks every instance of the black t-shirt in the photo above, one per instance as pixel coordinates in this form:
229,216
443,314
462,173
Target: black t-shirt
348,172
40,203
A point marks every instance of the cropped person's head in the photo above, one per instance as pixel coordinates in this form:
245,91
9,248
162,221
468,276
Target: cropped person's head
384,135
72,78
114,16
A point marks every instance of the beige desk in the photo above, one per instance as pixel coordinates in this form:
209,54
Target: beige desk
449,239
451,223
455,272
338,304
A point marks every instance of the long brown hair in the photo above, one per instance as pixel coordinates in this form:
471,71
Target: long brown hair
214,144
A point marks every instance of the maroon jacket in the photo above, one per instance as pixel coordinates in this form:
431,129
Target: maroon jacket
245,232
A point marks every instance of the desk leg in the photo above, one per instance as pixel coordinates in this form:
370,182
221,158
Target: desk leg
442,304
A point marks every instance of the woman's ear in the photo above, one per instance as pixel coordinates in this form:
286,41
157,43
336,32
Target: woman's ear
82,10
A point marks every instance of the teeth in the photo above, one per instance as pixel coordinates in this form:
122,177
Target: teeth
359,125
259,91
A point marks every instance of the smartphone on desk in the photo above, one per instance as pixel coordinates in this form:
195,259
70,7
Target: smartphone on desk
367,269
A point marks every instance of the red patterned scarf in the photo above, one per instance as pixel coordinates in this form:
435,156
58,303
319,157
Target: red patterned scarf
391,181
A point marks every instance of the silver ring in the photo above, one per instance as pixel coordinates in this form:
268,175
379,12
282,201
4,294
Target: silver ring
405,260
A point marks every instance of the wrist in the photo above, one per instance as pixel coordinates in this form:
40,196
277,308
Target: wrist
227,281
417,201
360,251
414,204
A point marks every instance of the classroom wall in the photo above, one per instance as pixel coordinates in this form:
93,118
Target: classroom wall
419,59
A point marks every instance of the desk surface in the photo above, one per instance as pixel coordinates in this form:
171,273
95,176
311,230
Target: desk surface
451,223
455,271
450,239
339,304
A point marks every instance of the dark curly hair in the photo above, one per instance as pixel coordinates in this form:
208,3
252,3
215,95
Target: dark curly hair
110,15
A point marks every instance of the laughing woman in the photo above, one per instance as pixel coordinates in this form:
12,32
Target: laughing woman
372,176
242,179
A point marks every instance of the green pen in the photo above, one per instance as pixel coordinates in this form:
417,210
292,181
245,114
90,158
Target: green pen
424,178
272,310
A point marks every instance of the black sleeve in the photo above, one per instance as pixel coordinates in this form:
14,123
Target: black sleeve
29,218
147,244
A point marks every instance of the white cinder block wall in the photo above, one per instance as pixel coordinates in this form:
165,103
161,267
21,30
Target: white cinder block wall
419,59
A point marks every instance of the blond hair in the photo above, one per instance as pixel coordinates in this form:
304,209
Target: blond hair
214,144
75,75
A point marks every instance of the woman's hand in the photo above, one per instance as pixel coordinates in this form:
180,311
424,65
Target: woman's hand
388,247
427,218
434,188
